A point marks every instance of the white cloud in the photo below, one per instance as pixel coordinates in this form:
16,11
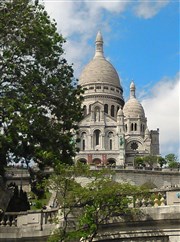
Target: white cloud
148,8
162,111
79,21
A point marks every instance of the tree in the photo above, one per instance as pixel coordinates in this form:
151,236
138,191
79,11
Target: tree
171,157
172,161
39,99
150,160
161,161
138,162
85,207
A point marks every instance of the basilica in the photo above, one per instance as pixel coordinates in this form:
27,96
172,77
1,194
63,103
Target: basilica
112,131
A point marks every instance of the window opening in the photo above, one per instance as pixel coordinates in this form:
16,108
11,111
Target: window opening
112,110
106,108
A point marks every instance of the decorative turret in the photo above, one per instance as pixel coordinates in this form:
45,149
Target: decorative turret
99,46
120,120
132,90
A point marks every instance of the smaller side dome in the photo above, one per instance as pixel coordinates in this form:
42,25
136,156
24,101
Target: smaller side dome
132,107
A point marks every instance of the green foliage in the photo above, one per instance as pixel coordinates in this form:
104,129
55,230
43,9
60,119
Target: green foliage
148,185
171,157
92,204
40,105
38,205
172,161
161,161
138,161
173,164
151,160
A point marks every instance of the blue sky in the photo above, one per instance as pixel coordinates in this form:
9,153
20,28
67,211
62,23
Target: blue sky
141,40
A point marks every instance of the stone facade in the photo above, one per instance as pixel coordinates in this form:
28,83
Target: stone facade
112,131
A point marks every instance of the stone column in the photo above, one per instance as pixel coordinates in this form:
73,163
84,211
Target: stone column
103,141
91,139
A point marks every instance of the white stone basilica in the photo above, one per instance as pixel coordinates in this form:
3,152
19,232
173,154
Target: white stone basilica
112,131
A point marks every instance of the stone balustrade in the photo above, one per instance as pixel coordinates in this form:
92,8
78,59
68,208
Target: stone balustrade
116,167
19,219
8,219
42,217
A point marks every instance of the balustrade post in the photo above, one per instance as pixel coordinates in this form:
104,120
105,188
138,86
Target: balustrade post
162,201
8,221
156,201
14,221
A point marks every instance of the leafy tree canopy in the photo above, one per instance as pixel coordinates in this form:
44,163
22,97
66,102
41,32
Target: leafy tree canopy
138,161
161,161
40,103
171,157
172,161
84,207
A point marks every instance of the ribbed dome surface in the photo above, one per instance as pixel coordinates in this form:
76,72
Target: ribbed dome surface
99,70
133,108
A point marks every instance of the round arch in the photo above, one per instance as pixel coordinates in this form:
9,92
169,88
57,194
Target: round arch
96,161
111,162
83,160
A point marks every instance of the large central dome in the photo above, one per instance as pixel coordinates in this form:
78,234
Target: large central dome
99,70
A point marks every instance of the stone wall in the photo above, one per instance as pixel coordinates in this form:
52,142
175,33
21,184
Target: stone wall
154,224
160,224
140,177
157,179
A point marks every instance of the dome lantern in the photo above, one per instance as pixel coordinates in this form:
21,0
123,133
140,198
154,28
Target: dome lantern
99,46
132,90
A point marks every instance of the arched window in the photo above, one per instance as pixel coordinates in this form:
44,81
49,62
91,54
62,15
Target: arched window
132,127
97,134
105,108
110,144
83,144
85,110
126,128
97,114
83,141
110,136
111,162
84,161
112,110
135,126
